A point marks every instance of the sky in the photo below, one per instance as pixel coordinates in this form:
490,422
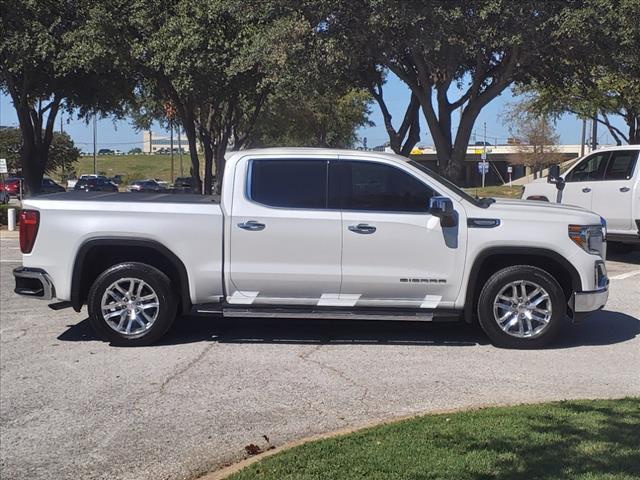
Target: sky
120,134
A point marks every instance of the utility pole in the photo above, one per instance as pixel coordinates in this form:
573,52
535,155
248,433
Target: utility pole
583,137
95,133
594,133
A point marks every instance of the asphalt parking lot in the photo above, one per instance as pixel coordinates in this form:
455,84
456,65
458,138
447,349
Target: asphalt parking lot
74,407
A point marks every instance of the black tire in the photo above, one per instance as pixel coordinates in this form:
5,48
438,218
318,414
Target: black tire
156,280
497,282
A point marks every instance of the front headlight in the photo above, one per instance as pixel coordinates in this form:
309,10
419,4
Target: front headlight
590,238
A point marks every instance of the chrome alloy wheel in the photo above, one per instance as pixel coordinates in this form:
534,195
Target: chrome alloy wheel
522,309
130,306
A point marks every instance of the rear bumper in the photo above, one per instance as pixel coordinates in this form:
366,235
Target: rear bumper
33,282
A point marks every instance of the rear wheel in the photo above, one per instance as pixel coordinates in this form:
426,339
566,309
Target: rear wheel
522,307
131,304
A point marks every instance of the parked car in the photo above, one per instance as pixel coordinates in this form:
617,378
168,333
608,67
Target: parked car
95,184
184,184
147,186
309,233
607,182
49,186
11,186
4,197
117,179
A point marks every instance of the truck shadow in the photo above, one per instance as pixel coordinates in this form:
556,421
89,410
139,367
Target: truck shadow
600,328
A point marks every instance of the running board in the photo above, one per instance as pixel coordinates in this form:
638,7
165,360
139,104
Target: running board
332,314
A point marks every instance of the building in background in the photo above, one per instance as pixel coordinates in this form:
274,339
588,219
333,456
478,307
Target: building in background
155,143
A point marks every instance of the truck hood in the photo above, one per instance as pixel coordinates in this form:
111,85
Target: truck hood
541,211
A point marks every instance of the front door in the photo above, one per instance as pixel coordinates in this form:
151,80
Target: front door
285,244
394,253
580,181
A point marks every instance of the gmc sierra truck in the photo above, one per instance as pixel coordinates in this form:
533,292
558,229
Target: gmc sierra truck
316,233
606,181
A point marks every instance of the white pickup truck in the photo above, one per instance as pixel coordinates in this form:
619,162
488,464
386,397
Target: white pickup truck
316,233
606,181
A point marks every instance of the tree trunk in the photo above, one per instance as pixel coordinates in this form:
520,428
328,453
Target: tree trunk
190,131
219,159
208,162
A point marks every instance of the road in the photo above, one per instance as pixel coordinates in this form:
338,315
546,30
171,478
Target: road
74,407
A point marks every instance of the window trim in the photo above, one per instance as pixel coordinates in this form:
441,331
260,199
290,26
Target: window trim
384,212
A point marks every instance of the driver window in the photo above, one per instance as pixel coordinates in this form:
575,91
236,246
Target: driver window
589,169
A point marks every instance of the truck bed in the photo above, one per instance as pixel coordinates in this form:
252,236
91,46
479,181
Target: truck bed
190,226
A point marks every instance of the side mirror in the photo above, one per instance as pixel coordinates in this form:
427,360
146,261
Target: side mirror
555,178
442,207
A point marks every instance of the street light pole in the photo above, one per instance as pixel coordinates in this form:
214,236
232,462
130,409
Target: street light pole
594,133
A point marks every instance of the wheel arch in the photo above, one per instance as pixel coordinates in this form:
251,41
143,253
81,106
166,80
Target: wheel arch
97,254
492,259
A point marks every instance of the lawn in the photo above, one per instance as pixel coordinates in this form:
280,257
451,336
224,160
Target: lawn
498,192
133,167
563,440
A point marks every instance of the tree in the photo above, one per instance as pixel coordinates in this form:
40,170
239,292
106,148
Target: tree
310,119
475,49
535,134
47,65
602,78
63,154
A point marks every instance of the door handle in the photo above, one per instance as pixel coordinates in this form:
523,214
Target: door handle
624,189
586,189
362,228
252,226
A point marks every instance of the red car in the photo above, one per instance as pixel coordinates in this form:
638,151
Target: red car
11,186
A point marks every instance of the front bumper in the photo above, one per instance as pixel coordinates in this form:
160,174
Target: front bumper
33,282
583,302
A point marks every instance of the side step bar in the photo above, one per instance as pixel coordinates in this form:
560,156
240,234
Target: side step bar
333,314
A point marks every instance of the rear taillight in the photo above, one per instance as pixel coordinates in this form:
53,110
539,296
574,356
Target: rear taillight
29,220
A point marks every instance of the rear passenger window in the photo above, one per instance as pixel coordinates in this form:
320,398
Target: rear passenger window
621,165
591,168
289,183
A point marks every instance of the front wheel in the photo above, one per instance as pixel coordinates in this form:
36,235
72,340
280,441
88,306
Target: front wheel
522,307
131,304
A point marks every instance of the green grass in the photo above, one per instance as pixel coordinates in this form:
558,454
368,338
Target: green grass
499,192
133,167
564,440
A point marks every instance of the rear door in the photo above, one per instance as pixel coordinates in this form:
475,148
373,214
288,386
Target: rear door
394,252
285,244
580,181
613,196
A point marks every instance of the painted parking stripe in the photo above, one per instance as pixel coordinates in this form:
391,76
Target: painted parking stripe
622,276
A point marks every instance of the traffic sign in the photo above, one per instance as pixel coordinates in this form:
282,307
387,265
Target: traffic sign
483,156
3,165
483,167
509,169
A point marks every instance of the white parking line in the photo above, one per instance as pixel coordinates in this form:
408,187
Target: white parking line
622,276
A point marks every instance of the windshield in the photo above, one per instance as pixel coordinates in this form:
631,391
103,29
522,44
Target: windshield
447,183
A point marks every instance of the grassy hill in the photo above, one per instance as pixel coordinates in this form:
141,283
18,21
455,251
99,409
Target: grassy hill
132,167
